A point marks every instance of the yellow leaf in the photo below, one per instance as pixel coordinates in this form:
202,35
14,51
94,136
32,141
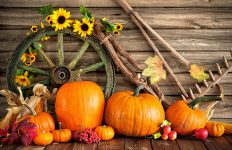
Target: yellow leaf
198,73
154,69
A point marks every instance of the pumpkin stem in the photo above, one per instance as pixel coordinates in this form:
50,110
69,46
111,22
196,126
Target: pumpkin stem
60,126
137,90
31,110
198,100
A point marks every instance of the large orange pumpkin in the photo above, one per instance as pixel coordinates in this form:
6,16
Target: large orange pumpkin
80,105
185,118
133,114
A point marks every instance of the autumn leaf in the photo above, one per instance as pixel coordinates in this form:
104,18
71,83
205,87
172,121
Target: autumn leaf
198,73
154,70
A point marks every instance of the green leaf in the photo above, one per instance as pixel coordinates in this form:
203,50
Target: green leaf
19,72
84,11
45,10
165,123
109,27
31,78
157,135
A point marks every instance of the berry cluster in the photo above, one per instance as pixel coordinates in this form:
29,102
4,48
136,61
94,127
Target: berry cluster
168,133
87,136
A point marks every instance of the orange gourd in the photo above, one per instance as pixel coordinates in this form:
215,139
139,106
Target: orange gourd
61,135
43,120
185,118
43,138
133,114
215,129
80,105
105,132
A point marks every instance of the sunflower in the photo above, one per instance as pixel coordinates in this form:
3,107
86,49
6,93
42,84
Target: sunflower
48,18
23,80
41,25
45,38
32,57
34,28
116,32
60,19
83,28
24,57
91,20
118,26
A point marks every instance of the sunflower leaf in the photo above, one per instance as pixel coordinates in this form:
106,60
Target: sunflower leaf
198,73
19,72
154,69
45,10
84,11
109,27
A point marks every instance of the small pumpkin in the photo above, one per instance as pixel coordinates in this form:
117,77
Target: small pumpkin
61,135
105,132
43,138
43,120
80,105
185,118
132,114
215,129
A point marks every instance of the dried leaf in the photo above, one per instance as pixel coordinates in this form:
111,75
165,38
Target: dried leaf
41,90
198,73
11,98
32,102
11,115
154,69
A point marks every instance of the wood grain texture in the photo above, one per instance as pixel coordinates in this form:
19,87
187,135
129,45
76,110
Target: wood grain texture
164,145
217,143
188,144
183,40
137,144
112,3
114,144
191,18
60,146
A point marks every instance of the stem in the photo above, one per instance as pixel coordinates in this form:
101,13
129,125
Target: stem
138,89
60,49
60,126
203,99
84,47
31,110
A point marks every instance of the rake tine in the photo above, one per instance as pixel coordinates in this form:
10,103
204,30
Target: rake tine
183,97
191,93
226,62
211,75
205,83
219,69
198,88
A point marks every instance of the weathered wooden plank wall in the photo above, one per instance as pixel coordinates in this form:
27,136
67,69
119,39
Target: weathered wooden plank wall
200,29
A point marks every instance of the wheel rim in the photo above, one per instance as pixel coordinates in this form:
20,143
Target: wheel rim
60,73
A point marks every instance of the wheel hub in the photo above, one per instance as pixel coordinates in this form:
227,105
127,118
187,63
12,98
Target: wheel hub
61,75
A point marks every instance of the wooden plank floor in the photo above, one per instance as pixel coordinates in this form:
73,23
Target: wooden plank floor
120,143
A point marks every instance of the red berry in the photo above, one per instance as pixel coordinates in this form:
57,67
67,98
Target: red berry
166,129
172,135
165,136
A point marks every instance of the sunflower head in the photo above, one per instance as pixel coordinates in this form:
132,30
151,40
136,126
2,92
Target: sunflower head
24,57
83,28
34,28
23,80
48,18
60,19
118,26
116,32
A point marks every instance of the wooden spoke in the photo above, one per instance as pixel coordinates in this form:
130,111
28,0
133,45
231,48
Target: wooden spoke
44,82
90,68
34,70
84,47
60,46
43,55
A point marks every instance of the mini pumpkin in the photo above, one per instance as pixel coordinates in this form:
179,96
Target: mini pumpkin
80,105
43,138
43,120
215,129
185,118
105,132
132,114
61,135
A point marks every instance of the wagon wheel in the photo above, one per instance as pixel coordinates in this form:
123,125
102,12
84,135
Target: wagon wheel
60,73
